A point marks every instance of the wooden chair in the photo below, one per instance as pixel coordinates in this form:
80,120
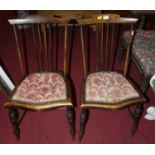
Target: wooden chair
48,88
106,87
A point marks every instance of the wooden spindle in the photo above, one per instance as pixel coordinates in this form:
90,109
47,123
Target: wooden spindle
34,36
112,50
35,46
97,47
101,49
20,53
46,62
56,46
40,47
50,48
65,52
83,53
106,46
128,51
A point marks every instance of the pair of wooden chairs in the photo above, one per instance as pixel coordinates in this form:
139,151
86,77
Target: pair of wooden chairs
102,88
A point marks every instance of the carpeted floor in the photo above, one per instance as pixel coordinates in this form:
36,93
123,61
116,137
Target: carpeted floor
104,127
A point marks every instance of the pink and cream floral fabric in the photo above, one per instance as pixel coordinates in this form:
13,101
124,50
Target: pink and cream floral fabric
108,87
40,88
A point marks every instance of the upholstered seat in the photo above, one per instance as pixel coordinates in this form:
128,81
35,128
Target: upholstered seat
41,88
108,87
144,49
40,91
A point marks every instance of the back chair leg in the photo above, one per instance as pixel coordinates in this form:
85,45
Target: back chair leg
13,116
137,115
145,84
83,120
71,121
139,108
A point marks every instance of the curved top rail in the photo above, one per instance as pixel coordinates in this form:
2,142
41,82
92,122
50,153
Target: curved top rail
106,18
36,19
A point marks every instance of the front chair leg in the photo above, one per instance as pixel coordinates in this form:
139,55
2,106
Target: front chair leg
71,121
83,121
13,116
137,115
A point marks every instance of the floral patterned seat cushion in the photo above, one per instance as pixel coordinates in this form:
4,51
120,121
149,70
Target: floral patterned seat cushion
144,50
41,88
109,88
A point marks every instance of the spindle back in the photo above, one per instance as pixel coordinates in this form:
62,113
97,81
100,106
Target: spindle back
42,34
106,37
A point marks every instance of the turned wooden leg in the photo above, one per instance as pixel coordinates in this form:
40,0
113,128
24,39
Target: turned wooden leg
137,115
71,121
13,116
83,121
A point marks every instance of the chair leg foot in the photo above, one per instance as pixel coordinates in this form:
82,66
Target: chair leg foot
134,127
137,115
13,116
83,121
71,121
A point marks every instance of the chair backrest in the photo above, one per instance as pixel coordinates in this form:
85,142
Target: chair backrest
41,32
106,38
